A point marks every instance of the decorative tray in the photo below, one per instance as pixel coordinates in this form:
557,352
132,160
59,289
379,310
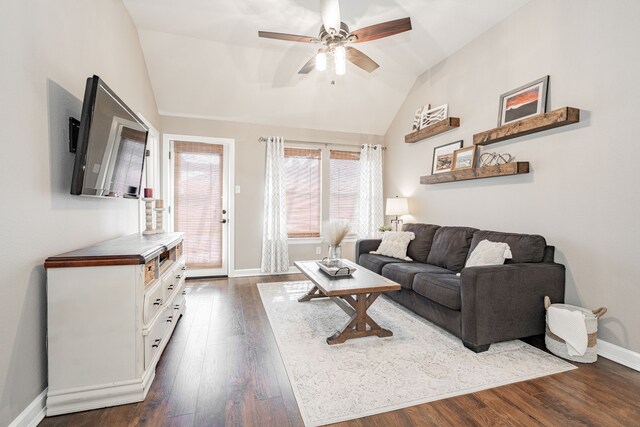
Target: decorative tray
341,269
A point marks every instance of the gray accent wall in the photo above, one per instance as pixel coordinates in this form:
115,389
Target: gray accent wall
583,192
48,51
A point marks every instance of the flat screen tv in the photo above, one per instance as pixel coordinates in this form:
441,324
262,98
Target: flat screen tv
111,146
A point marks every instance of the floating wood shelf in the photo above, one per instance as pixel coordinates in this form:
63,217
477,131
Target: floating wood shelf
553,119
433,130
506,169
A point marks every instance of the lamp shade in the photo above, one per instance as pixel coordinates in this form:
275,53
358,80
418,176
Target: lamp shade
397,206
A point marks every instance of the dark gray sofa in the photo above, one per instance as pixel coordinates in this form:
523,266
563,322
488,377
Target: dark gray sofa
482,305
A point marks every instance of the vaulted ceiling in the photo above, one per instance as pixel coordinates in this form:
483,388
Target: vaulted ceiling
205,58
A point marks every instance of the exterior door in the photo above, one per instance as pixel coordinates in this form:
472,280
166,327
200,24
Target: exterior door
200,172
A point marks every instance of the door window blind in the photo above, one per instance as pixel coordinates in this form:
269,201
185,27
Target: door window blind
302,183
344,184
198,172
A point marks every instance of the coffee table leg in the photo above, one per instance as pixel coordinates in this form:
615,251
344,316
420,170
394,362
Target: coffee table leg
312,293
356,327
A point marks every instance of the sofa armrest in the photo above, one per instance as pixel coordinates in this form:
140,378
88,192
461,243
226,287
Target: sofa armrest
504,302
364,246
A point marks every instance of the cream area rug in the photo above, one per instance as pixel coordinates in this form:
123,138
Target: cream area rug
365,376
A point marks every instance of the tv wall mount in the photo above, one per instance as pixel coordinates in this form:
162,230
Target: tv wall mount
74,130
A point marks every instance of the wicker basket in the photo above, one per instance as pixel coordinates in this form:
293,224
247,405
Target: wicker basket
558,346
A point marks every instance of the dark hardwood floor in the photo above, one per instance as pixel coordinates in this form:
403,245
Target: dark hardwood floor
223,368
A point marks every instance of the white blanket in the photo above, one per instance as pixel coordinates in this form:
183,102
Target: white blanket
570,326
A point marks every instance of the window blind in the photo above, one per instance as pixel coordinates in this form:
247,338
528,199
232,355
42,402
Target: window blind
344,185
302,183
198,174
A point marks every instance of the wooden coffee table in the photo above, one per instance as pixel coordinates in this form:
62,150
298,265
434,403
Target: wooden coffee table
354,294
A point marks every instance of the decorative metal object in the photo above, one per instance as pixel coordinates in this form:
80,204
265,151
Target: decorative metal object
492,159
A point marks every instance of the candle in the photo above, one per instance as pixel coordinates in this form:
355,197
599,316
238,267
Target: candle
148,193
159,204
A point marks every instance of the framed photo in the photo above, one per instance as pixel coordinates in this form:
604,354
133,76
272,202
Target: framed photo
525,101
464,158
433,115
443,157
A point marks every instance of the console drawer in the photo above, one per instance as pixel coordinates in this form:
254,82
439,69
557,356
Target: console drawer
153,341
171,281
153,300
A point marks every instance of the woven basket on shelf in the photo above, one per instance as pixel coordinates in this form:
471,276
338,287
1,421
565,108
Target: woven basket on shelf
558,346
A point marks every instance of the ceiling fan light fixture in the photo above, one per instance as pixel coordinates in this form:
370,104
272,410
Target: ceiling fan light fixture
321,61
340,58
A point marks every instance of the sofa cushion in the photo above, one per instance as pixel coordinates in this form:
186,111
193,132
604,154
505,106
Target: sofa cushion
451,247
394,244
419,248
376,262
441,288
404,273
488,253
524,247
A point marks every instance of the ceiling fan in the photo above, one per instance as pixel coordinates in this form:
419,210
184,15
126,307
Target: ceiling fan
335,39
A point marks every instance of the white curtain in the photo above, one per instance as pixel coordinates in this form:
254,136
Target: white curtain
275,251
370,204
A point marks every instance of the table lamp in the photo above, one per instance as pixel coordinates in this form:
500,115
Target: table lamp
397,206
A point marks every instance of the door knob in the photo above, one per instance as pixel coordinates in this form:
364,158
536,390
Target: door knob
224,221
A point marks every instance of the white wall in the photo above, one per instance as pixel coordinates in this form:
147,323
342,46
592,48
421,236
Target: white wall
583,191
48,50
250,160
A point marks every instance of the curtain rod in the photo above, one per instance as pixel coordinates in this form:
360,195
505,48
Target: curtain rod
291,141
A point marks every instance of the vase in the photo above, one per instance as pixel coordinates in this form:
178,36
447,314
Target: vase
333,255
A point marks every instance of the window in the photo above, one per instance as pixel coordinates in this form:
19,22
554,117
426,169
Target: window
344,184
302,184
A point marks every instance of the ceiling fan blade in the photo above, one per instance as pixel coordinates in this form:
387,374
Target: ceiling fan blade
310,65
384,29
330,11
288,37
360,59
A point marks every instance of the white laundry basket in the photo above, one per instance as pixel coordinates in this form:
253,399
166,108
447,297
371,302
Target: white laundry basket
558,346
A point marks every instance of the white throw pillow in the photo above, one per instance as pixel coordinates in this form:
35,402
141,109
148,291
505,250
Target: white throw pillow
489,253
394,244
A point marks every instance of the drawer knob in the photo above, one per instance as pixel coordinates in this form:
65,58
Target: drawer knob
176,307
184,292
156,343
170,287
178,276
169,319
184,267
158,302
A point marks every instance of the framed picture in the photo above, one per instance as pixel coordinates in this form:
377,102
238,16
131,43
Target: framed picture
443,157
418,116
433,115
525,101
464,158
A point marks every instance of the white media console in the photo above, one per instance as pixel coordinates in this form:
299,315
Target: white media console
112,308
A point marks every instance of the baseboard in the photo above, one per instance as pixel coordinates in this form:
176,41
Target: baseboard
247,272
620,355
32,414
86,398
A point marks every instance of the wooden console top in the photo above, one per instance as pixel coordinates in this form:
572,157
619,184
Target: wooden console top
126,250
